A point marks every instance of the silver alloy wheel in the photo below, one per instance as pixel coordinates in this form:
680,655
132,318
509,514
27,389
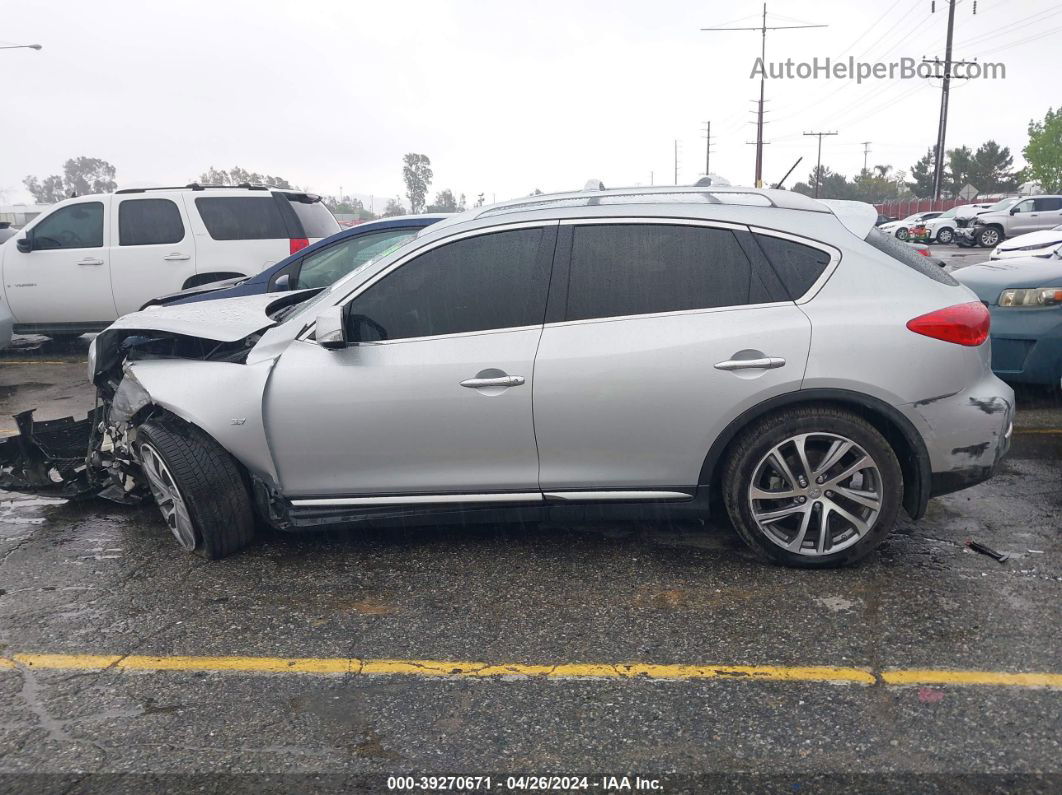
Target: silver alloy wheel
945,236
168,496
902,233
815,494
989,237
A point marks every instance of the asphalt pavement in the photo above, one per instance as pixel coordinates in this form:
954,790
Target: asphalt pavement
655,650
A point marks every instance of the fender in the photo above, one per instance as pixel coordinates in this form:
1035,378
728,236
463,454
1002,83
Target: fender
223,399
914,459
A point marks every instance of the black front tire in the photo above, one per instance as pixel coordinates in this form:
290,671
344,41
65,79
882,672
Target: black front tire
756,441
989,237
902,233
212,485
945,236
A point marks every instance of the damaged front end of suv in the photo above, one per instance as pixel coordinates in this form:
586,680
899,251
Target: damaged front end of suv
180,364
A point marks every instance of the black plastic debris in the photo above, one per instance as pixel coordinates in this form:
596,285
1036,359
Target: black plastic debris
982,549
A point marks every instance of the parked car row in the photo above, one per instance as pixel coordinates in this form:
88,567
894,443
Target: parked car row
983,224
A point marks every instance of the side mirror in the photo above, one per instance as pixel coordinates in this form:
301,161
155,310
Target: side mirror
24,245
1014,209
331,328
282,283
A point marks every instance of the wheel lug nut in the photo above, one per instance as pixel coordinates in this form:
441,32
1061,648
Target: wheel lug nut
829,493
802,500
820,480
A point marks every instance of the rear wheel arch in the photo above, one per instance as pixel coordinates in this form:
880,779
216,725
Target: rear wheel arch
901,435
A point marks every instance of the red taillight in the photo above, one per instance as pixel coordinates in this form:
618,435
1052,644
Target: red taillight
963,324
297,244
924,252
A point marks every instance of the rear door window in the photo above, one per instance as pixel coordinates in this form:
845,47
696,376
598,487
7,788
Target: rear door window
1048,203
636,269
242,217
798,265
73,226
149,222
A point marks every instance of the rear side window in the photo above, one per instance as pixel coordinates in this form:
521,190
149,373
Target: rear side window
638,269
73,226
315,218
1049,203
148,222
797,265
901,252
242,217
492,281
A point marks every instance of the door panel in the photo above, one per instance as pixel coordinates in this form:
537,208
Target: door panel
153,249
637,402
393,418
66,278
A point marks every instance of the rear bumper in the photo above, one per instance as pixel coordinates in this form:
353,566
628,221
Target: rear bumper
1027,345
966,434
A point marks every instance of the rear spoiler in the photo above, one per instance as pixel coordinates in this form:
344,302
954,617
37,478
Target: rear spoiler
858,217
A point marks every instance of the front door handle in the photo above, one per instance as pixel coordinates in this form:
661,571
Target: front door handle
176,257
766,363
505,380
90,261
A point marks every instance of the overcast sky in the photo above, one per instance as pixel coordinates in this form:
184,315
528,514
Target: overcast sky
504,97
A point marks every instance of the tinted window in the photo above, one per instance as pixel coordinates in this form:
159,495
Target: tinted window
315,218
901,252
1049,203
493,281
322,268
242,217
636,269
797,265
147,222
75,226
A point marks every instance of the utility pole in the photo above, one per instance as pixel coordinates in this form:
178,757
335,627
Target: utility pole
763,28
866,151
676,161
707,148
942,125
818,168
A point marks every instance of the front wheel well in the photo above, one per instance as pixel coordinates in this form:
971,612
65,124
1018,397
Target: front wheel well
897,430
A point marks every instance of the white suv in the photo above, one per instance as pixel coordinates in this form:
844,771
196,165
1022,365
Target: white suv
88,260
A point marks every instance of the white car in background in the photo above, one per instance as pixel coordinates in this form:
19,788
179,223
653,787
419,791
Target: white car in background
902,228
942,228
1034,244
86,261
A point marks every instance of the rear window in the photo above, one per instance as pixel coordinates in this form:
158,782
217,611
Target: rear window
797,265
901,252
242,217
316,219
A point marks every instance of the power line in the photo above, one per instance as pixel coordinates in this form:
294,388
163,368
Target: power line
763,28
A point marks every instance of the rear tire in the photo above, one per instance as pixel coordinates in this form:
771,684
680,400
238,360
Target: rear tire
811,525
198,487
903,233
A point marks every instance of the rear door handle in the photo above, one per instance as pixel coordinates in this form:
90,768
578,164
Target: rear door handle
766,363
505,380
90,261
176,257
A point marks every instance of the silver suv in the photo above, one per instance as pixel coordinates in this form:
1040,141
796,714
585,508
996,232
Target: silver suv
1019,217
650,352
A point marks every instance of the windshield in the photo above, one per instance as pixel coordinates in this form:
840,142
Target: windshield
947,213
1002,204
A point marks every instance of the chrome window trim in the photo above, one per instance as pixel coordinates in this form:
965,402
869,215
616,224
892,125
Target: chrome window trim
831,266
357,290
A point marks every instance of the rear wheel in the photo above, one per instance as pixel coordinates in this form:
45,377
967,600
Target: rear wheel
945,236
903,233
813,487
198,488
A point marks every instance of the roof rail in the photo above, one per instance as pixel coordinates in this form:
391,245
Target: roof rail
197,186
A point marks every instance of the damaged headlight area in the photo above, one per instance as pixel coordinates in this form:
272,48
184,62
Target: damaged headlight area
96,456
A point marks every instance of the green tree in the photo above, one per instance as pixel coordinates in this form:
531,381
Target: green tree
241,176
959,170
479,201
992,169
81,176
446,203
394,207
1043,153
921,182
417,174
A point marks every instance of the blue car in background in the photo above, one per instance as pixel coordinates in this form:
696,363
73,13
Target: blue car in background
315,266
1024,297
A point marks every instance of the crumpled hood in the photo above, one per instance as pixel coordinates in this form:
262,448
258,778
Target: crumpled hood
989,279
224,320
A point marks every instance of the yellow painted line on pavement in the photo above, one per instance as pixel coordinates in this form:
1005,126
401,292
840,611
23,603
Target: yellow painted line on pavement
445,669
1023,431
